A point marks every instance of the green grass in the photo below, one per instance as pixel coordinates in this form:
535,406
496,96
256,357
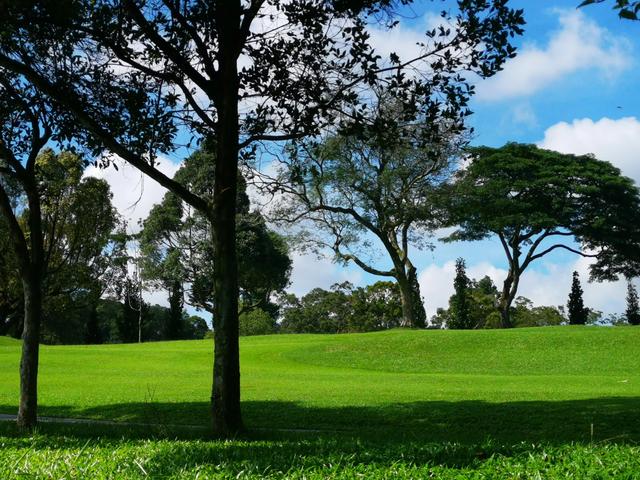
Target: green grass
496,403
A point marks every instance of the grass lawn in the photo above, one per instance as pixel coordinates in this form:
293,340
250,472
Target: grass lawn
552,402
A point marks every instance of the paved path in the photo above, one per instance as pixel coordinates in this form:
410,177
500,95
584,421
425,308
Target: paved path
90,421
4,417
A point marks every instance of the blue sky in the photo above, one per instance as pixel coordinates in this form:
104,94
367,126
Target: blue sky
571,88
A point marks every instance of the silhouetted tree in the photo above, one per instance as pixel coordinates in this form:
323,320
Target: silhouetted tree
459,302
632,311
576,310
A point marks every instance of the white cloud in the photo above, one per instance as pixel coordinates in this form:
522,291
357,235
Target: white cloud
134,194
616,141
580,44
523,114
310,272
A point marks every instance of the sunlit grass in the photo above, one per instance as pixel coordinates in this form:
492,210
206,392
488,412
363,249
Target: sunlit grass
411,402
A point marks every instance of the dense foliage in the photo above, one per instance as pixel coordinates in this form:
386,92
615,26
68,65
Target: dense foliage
342,309
576,310
481,301
538,201
176,245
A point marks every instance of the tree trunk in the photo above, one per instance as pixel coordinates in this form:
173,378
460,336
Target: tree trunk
509,289
225,397
28,410
413,312
94,335
175,328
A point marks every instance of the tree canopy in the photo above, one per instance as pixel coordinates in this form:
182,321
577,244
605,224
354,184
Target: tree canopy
537,201
176,245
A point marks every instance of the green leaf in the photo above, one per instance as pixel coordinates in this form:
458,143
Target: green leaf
589,2
628,14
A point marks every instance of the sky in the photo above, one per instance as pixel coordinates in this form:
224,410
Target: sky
571,88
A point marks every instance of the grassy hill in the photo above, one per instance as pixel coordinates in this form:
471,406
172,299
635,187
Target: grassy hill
493,401
530,377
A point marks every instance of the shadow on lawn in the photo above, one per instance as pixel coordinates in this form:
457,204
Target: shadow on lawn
454,435
613,419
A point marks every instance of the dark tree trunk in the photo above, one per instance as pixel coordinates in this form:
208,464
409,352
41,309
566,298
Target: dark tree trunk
28,410
413,312
94,335
175,328
225,397
509,289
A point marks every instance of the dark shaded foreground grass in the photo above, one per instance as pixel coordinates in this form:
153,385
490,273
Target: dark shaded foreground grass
472,421
56,452
446,440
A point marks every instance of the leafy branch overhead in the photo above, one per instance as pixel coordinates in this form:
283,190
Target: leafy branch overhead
626,9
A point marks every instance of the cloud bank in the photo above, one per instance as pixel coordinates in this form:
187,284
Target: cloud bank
579,44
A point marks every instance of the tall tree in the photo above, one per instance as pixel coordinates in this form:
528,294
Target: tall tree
27,123
537,201
632,311
176,245
576,310
459,303
371,187
135,73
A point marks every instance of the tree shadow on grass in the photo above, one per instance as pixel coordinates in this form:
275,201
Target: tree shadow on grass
435,434
612,419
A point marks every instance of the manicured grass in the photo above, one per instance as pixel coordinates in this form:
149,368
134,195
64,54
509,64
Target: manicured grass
47,456
471,403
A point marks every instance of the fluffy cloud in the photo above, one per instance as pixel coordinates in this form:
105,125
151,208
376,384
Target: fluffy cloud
310,272
579,44
616,141
548,284
134,194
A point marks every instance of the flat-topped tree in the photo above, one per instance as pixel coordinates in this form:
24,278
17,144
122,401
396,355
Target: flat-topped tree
537,201
135,73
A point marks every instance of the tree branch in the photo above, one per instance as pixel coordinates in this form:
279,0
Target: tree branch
174,55
559,245
67,99
367,268
15,232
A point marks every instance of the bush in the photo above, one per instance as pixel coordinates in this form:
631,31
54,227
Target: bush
256,322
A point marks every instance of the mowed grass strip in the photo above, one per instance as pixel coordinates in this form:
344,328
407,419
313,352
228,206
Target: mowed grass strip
534,384
527,403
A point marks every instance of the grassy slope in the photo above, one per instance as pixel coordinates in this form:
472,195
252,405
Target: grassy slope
348,381
392,392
